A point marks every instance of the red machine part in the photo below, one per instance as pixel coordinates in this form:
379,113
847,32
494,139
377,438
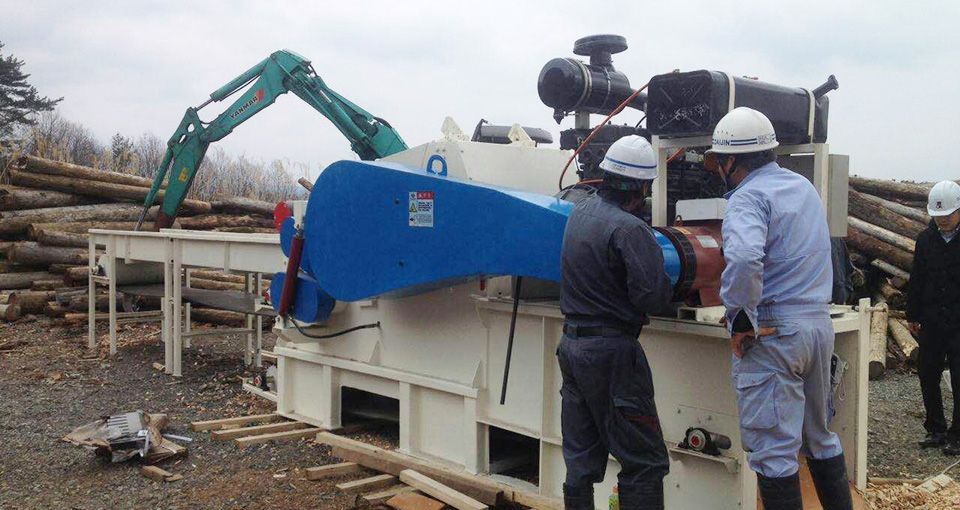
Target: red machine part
280,213
700,247
293,270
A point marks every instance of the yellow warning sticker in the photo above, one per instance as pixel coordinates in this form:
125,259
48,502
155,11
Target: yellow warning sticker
184,174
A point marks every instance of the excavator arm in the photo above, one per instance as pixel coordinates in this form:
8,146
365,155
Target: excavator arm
283,71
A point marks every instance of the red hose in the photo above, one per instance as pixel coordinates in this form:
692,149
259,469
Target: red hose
596,130
293,269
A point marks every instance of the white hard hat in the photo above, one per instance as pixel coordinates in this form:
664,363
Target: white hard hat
631,157
743,130
944,198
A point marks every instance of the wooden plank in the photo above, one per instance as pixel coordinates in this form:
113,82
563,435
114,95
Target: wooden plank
277,436
368,484
412,501
392,462
376,498
220,435
343,468
440,491
154,473
537,501
200,426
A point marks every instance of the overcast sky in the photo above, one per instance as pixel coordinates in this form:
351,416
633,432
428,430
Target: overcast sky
134,66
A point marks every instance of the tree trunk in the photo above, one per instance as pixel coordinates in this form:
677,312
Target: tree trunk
79,302
81,227
98,189
22,280
31,253
40,165
909,212
52,284
59,238
883,234
878,249
904,339
890,269
10,313
857,278
214,316
894,297
76,276
305,183
904,190
54,310
14,198
199,283
16,222
64,296
199,274
31,302
878,342
243,205
883,217
212,221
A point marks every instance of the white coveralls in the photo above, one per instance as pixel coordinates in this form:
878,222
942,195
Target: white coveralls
777,249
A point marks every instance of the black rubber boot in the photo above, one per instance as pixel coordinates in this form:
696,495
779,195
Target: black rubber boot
577,498
644,496
780,493
830,479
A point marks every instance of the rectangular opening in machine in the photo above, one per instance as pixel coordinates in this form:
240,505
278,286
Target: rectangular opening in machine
514,455
368,410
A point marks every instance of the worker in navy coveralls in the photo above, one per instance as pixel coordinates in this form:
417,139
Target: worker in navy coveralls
612,275
776,287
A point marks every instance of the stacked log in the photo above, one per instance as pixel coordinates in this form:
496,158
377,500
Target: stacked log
46,209
885,219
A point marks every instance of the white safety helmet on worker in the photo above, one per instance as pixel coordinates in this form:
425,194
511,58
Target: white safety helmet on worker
944,199
631,157
743,130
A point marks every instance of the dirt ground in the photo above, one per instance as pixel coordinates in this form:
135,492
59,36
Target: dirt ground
47,389
895,424
51,384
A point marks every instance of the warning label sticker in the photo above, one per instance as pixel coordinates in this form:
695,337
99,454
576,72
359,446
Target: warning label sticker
421,209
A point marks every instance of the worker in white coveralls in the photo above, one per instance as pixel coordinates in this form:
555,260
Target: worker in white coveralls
776,288
612,275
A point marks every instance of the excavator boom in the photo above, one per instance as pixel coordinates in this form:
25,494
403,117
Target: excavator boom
283,71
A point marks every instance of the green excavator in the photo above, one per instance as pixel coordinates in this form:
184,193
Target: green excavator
283,71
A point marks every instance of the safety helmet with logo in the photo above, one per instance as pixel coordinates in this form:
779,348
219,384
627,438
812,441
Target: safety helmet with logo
743,130
944,198
631,157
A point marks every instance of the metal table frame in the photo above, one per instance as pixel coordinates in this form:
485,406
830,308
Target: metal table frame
179,251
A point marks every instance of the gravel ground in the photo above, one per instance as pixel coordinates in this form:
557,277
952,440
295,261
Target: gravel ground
896,424
47,389
52,384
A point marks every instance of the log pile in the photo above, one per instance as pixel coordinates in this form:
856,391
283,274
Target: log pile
884,222
46,209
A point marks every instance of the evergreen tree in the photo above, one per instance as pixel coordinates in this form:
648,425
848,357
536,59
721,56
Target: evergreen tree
19,100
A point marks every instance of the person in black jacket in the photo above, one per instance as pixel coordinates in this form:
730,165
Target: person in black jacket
933,313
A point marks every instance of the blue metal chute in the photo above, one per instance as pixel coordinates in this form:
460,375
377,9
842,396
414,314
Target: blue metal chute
379,229
376,228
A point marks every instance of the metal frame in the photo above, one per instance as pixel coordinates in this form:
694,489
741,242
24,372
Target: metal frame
179,251
663,146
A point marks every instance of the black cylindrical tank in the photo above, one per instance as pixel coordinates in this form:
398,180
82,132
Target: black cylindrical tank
568,84
691,104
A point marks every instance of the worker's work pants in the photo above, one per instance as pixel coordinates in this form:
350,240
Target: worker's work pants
939,349
784,395
607,406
